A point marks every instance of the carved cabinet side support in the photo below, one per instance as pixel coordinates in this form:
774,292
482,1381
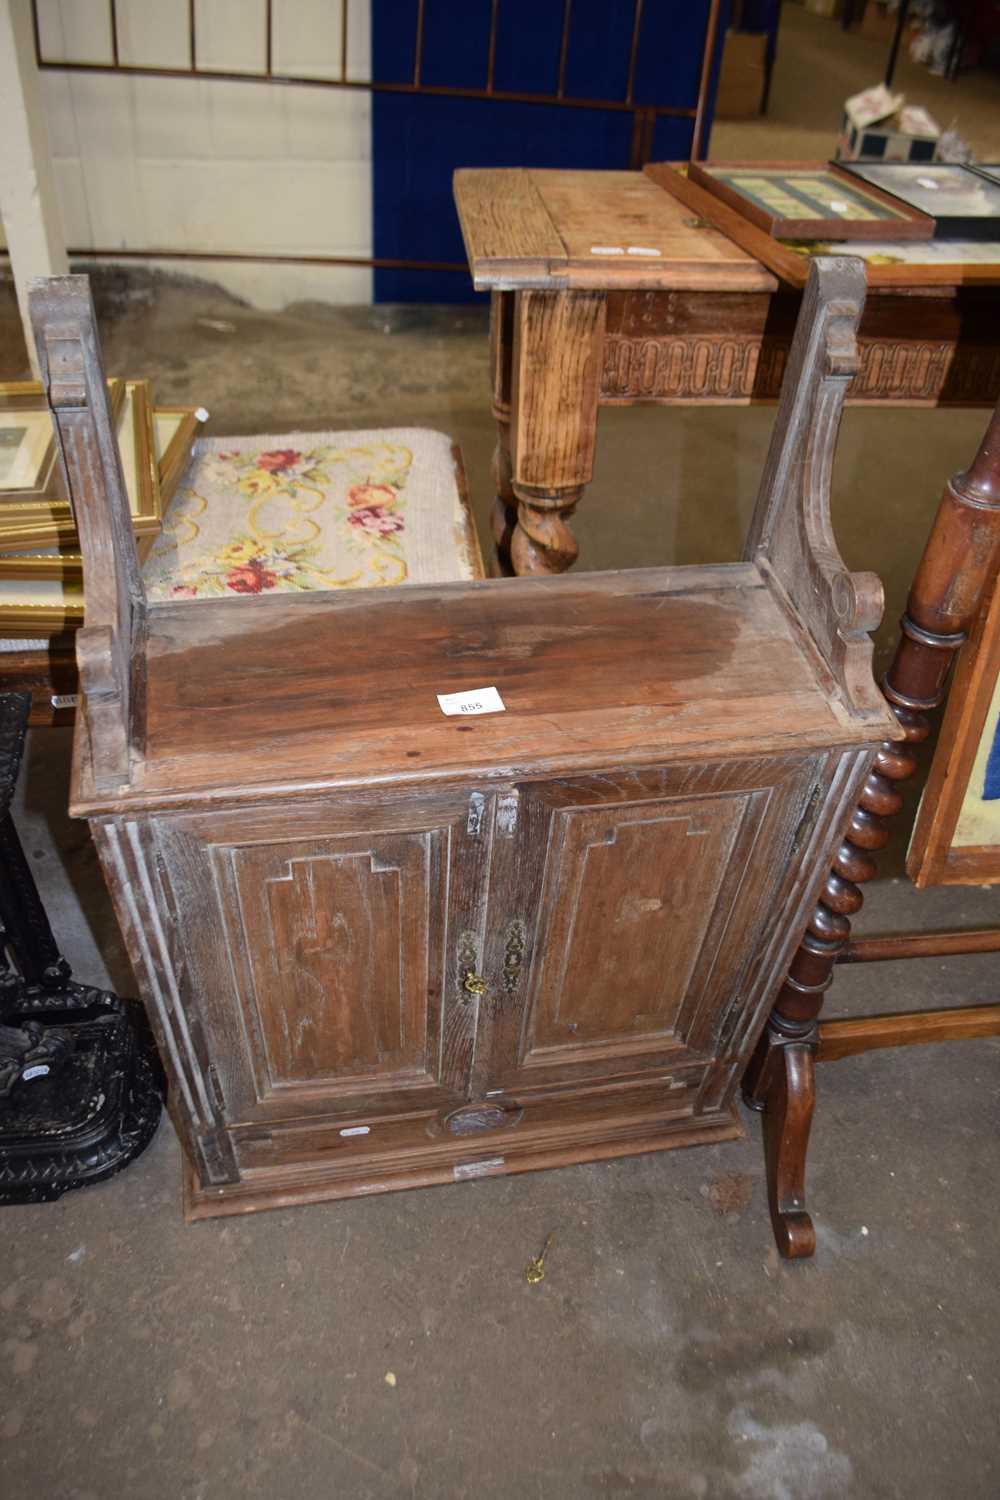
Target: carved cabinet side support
555,385
791,534
958,562
72,370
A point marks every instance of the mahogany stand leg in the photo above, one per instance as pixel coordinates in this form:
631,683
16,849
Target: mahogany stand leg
557,343
788,1089
958,562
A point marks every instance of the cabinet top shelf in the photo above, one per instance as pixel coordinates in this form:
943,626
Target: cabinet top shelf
595,670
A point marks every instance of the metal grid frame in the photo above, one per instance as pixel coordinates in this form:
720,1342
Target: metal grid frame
643,121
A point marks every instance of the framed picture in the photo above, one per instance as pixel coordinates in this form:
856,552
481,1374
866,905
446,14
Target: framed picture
806,201
964,204
36,607
27,442
47,520
956,836
896,264
175,430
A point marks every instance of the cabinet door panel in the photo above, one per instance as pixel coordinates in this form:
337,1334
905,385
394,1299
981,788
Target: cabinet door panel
631,893
323,927
640,900
330,977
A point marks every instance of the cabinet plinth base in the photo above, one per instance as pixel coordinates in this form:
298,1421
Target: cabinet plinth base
318,1182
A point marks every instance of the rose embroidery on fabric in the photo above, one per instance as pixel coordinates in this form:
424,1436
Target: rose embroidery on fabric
374,519
278,459
368,496
310,517
253,579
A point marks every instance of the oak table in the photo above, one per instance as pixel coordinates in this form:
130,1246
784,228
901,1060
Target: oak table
609,290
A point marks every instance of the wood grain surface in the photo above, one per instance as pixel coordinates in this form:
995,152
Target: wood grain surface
564,229
336,690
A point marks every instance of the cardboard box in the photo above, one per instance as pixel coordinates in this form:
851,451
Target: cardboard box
879,126
741,77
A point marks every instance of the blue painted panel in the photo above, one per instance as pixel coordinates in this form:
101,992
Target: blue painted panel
414,211
419,140
671,139
600,41
529,38
456,43
991,784
394,32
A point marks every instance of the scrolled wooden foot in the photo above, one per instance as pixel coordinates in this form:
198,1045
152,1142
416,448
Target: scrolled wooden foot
542,542
784,1091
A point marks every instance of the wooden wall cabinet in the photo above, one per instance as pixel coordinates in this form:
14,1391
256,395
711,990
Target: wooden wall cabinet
382,947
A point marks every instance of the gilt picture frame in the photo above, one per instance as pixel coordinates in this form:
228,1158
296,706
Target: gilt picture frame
27,442
175,431
46,520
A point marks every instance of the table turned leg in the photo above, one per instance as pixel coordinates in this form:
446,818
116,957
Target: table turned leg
556,346
958,563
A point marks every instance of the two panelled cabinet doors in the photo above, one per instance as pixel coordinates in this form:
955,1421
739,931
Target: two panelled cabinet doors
419,988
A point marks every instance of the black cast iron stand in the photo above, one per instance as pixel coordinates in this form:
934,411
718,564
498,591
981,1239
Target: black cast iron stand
79,1088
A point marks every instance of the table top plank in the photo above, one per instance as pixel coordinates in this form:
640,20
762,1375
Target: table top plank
574,230
506,227
626,211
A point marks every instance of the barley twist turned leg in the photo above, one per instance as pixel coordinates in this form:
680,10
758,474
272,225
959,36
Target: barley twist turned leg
542,542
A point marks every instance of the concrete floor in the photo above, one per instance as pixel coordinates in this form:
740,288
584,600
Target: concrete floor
668,1351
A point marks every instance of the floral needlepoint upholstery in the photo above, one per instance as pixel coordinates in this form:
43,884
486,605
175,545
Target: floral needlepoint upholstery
315,510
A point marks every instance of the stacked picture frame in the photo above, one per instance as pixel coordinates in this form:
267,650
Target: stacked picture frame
41,575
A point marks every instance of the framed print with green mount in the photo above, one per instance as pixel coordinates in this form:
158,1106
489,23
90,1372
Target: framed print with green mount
893,265
810,201
964,203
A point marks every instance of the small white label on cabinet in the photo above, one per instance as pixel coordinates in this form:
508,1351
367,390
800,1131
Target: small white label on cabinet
478,701
64,700
356,1130
478,1168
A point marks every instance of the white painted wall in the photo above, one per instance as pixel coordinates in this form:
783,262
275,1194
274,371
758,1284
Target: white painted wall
202,165
29,203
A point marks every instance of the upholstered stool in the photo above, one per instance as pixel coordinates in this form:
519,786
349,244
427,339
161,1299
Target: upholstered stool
316,510
288,513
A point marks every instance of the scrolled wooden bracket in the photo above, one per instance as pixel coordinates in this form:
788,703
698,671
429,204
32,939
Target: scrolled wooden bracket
791,535
72,371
